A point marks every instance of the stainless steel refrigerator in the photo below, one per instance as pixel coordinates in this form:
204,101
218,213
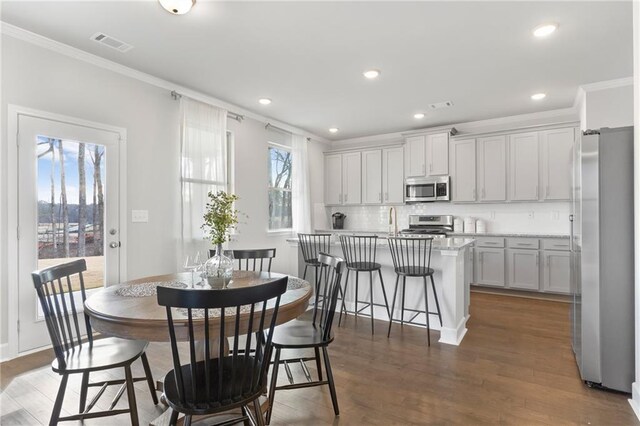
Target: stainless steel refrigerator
602,268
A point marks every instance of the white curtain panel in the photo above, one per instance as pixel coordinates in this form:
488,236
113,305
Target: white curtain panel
203,167
301,198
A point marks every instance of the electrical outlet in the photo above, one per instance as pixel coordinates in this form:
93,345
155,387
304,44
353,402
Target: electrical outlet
530,215
492,215
555,215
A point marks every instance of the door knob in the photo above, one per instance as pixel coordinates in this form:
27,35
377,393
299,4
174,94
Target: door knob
113,244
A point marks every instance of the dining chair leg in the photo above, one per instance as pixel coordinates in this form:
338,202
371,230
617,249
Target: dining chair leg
384,294
346,284
318,363
174,417
435,296
274,382
147,373
371,298
187,420
404,288
84,387
258,410
332,386
426,309
57,406
393,304
131,395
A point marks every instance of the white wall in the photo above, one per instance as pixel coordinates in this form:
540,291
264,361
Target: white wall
38,78
610,107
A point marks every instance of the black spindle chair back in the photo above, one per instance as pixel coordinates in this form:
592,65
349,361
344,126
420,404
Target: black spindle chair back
323,316
254,259
229,380
55,292
411,256
359,251
314,244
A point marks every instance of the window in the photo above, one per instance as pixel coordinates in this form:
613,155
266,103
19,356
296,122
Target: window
280,217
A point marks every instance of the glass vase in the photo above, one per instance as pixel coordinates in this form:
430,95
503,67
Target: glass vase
218,268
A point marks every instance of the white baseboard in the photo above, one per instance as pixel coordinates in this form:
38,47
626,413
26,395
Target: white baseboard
635,398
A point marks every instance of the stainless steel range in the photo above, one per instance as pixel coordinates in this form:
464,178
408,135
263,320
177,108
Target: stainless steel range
428,226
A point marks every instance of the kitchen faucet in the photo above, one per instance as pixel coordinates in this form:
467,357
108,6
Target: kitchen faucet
393,220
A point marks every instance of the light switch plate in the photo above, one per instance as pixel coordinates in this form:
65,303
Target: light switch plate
140,216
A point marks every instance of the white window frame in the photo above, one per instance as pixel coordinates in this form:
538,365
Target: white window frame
270,188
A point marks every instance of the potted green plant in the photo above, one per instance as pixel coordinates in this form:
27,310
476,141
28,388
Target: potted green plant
219,218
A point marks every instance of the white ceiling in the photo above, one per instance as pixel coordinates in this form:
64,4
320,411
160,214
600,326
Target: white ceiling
309,56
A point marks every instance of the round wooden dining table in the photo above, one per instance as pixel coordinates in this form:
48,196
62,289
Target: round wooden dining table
131,311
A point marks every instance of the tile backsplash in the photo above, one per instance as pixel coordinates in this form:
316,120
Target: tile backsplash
547,217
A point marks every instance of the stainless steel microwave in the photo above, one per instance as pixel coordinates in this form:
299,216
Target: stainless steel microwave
421,190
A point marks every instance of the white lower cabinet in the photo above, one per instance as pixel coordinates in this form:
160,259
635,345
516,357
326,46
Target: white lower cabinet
532,264
555,271
523,269
489,266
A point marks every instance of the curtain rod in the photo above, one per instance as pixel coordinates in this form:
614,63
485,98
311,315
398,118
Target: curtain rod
238,117
280,129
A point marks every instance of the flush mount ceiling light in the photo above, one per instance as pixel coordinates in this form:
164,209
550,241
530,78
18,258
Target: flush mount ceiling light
264,101
371,74
418,115
333,129
177,7
538,96
544,30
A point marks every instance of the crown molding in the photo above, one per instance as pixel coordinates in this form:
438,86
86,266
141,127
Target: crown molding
81,55
608,84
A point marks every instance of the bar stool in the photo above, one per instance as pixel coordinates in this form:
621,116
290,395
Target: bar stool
360,255
312,245
412,258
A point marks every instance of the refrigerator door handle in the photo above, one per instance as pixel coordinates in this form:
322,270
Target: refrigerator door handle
570,232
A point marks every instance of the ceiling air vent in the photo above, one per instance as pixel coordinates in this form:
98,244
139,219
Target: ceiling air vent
440,105
111,42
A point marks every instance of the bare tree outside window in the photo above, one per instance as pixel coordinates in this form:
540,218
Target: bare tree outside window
280,216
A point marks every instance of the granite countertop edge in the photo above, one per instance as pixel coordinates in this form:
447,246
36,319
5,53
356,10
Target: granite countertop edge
458,245
452,234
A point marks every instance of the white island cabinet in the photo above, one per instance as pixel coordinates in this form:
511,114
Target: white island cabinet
449,259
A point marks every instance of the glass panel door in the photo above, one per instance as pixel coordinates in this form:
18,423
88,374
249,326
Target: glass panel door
67,209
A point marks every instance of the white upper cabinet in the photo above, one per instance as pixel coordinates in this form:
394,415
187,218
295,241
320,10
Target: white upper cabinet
556,147
437,147
492,168
393,175
352,178
523,166
372,177
416,157
463,169
333,179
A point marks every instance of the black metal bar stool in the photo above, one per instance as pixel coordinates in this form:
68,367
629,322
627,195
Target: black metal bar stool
360,255
312,245
412,258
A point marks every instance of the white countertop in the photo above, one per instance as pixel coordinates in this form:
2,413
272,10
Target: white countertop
452,234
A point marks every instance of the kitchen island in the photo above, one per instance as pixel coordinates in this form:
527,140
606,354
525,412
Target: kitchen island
449,259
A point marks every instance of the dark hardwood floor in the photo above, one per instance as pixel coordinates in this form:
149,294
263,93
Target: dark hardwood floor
515,366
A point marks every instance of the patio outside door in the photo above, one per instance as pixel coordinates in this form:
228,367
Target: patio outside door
68,204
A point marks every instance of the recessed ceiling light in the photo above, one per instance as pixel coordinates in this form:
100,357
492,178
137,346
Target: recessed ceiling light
177,7
418,115
333,130
264,101
538,96
371,74
544,30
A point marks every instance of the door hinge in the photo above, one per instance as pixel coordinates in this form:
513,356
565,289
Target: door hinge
18,325
18,232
